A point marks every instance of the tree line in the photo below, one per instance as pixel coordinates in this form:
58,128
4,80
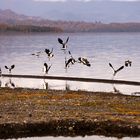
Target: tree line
27,28
63,26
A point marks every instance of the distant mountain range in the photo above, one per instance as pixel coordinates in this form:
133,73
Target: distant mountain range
8,15
15,21
106,11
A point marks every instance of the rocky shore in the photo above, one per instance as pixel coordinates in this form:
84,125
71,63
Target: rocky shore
30,112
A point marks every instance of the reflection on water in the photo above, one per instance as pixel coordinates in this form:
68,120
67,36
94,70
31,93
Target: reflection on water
80,138
99,48
68,85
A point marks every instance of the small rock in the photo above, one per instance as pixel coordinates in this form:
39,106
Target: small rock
70,128
30,115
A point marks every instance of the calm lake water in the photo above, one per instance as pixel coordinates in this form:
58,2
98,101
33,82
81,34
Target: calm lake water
98,48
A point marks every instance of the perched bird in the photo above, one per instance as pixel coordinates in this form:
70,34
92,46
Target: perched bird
116,71
64,44
49,53
37,54
10,68
84,61
128,63
46,68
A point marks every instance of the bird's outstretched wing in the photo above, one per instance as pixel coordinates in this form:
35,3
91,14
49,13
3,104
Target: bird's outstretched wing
49,67
12,66
119,69
47,51
67,63
67,40
70,54
111,66
6,67
60,41
52,50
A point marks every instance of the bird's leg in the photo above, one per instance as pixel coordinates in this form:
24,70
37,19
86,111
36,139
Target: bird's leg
113,77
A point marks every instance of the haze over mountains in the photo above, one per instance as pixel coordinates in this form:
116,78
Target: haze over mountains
106,11
11,21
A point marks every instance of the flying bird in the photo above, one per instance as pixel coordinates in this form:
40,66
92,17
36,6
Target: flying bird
71,60
10,68
64,44
37,54
84,61
49,53
128,63
116,71
46,68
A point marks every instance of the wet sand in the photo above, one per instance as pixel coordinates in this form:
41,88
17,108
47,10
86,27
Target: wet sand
30,112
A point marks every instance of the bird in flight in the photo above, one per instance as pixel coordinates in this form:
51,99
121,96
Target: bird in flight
71,60
116,71
128,63
64,44
37,54
49,53
84,61
10,68
46,68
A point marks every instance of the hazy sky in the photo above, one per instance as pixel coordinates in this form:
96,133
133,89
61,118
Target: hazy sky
77,10
81,0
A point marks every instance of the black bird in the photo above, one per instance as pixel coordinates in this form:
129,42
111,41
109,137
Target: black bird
84,61
128,63
46,68
116,71
49,53
10,68
64,44
70,60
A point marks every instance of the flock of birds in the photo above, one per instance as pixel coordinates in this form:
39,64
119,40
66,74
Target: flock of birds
64,48
70,61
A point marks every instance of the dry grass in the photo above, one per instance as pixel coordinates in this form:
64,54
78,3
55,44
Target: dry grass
103,112
44,105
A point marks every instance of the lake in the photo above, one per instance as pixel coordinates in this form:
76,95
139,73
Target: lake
99,48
